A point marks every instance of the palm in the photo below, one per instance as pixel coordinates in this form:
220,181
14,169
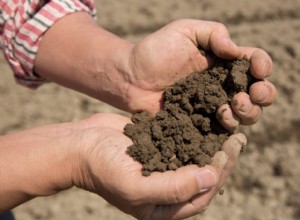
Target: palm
116,177
161,60
155,69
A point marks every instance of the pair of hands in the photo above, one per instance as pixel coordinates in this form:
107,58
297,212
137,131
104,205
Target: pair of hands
102,165
110,172
156,62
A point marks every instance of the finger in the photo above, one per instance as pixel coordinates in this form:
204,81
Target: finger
197,203
215,36
247,111
263,93
178,186
219,160
261,62
232,147
227,118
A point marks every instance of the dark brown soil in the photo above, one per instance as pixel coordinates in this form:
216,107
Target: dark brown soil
187,131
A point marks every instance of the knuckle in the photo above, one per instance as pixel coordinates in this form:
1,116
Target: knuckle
183,22
220,26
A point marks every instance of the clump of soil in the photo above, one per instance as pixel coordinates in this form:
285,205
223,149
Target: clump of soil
187,131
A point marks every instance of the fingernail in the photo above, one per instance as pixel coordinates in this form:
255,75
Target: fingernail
221,112
234,102
206,179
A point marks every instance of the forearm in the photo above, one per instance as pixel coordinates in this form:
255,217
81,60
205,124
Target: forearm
33,163
76,53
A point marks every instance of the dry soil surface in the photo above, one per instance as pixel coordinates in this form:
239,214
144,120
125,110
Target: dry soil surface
264,185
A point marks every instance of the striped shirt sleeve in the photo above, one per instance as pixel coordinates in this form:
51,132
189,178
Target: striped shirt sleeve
22,25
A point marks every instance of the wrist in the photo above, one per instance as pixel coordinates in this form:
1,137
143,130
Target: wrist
111,71
77,53
35,162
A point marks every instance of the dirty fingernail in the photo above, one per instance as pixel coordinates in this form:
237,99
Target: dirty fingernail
206,179
226,118
239,139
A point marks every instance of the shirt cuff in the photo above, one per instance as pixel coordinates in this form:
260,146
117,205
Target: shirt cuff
21,46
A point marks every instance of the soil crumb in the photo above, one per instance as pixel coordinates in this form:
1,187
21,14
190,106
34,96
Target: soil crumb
186,130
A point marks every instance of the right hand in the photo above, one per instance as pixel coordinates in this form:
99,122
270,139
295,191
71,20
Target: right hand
172,53
133,77
106,169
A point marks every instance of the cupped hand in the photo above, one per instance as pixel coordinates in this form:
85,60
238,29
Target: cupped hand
172,53
106,169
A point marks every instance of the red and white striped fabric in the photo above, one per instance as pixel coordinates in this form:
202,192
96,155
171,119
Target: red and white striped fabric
22,25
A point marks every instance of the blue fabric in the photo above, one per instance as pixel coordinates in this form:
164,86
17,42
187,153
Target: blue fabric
7,216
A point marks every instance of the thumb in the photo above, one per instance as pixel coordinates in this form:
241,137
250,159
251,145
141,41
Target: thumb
215,36
195,194
178,186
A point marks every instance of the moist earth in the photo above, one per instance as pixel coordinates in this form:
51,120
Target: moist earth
186,130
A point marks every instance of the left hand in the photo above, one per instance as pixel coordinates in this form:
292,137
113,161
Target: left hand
172,53
106,169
